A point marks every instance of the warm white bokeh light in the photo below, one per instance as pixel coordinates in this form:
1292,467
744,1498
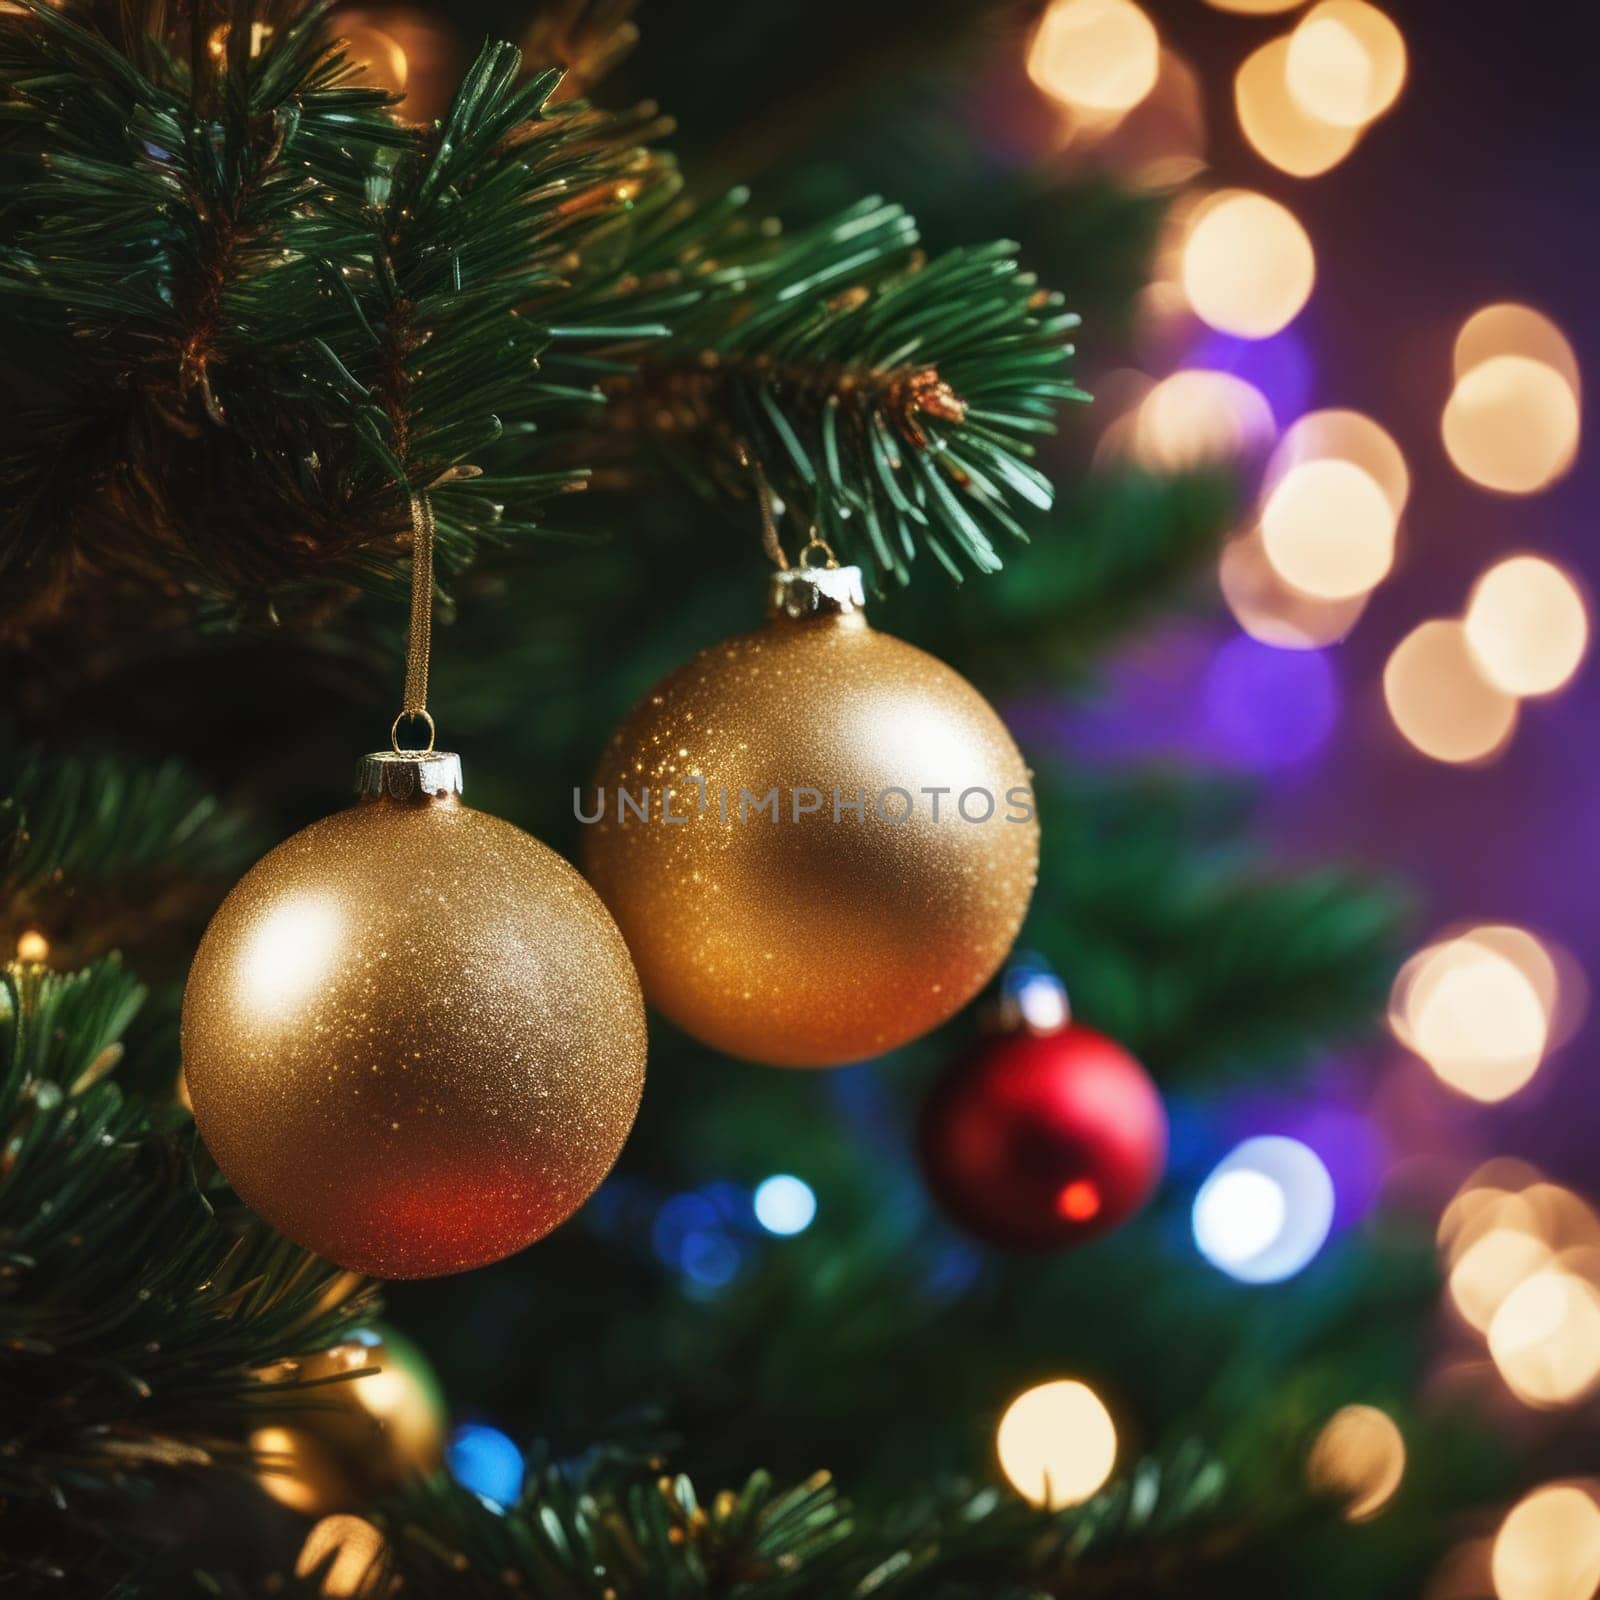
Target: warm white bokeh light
1346,63
1199,418
1247,264
1512,424
356,1549
1440,701
1545,1339
1095,55
1474,1017
1342,435
1359,1456
1548,1548
1328,529
1527,625
1057,1443
1508,328
1489,1269
1271,609
1277,125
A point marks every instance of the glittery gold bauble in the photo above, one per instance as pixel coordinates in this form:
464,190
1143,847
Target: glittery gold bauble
341,1441
412,1035
848,840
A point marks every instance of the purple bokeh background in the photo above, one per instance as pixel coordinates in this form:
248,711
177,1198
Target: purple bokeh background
1474,189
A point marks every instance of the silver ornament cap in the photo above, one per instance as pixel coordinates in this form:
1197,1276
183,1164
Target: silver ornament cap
800,592
411,777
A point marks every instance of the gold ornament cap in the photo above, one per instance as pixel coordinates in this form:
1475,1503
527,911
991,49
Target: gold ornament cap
412,777
801,592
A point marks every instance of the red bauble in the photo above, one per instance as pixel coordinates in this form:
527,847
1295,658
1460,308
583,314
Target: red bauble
1042,1140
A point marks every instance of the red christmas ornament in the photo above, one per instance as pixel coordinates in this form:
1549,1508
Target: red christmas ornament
1043,1139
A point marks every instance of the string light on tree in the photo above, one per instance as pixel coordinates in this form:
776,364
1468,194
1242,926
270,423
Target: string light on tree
1440,701
1346,63
1359,1457
1548,1547
1270,609
1474,1015
1329,529
1277,124
1100,56
1343,435
1545,1339
1247,265
1057,1443
1527,626
1508,328
348,1557
486,1461
1512,424
1265,1211
784,1204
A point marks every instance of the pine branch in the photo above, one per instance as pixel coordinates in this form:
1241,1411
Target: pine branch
134,1320
259,314
607,1527
1178,939
95,852
890,401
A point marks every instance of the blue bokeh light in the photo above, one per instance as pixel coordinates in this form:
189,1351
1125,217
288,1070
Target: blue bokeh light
1265,1211
484,1460
785,1204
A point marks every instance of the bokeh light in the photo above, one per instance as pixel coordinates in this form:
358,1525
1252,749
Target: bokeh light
1548,1547
1545,1339
1490,1268
1342,435
1360,1456
1271,708
32,946
1199,418
486,1461
784,1204
1527,626
1095,55
1346,63
1272,610
1512,424
1474,1015
1057,1443
1511,329
353,1549
1282,131
1265,1211
1439,700
1329,529
1247,265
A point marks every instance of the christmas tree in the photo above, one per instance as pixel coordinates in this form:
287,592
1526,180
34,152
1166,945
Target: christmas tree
285,338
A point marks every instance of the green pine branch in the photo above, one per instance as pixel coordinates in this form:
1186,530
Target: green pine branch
258,315
605,1526
1178,938
96,852
890,402
135,1319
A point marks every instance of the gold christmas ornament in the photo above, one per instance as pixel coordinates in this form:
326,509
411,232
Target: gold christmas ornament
412,1036
818,841
343,1441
